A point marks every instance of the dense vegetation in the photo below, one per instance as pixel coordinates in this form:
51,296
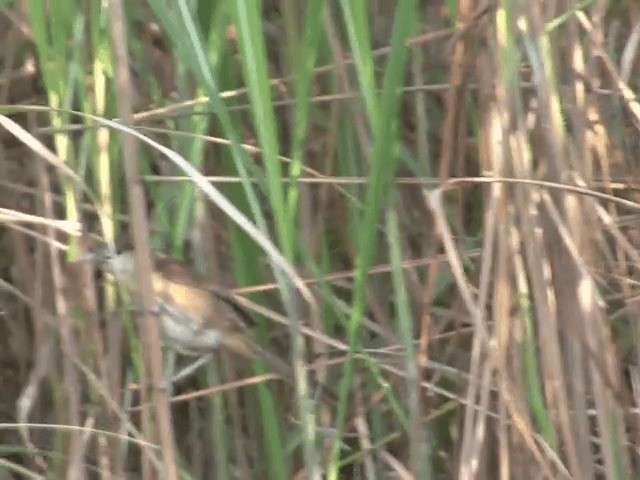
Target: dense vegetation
428,205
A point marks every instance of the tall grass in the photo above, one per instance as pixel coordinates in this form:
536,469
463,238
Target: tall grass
477,322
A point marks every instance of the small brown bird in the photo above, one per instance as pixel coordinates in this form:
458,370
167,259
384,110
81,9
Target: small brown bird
195,320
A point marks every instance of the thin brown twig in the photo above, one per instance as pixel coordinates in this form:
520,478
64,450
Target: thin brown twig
140,234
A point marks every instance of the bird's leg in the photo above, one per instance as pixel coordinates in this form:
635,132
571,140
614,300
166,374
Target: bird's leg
188,370
169,366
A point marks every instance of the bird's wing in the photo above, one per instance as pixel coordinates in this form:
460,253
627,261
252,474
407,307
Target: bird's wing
174,282
176,271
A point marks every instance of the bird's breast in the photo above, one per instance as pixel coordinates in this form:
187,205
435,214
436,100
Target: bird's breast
181,334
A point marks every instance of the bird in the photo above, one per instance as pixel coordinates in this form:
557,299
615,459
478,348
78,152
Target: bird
196,321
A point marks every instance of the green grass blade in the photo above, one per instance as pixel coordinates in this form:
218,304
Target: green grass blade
385,160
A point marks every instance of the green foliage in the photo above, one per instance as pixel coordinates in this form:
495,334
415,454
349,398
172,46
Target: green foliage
325,150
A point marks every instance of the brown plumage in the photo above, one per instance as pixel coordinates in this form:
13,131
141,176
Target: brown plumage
195,320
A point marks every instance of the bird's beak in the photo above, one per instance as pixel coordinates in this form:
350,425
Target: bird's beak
89,257
100,256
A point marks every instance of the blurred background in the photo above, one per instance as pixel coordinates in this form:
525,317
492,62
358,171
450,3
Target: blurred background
451,192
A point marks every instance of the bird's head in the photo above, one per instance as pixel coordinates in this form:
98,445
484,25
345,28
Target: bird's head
120,264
